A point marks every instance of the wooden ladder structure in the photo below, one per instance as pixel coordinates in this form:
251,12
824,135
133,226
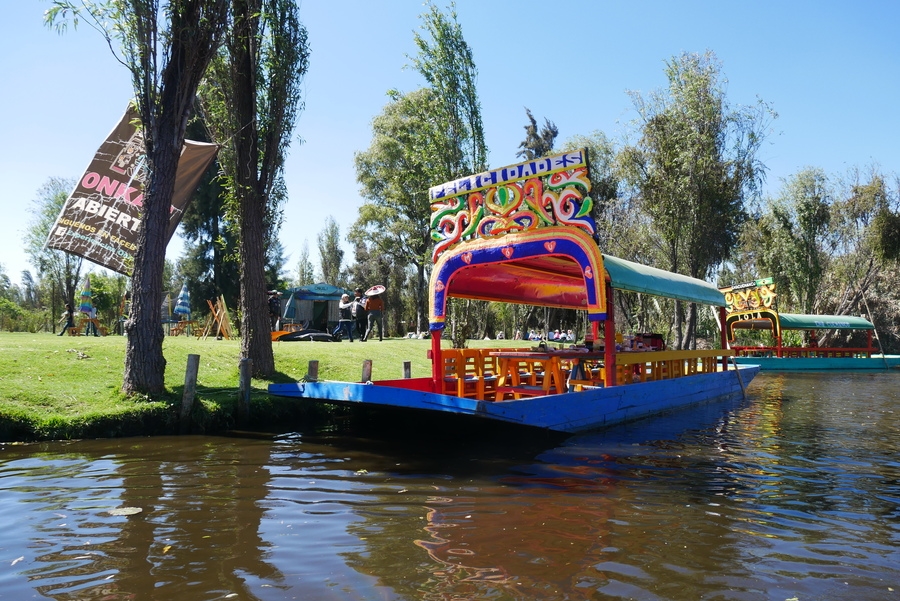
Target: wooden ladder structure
218,320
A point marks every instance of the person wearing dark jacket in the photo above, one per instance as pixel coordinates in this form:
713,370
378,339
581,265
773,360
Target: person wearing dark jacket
359,314
70,319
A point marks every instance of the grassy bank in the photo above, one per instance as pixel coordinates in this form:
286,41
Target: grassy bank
68,387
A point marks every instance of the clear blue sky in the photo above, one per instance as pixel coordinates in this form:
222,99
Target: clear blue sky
830,69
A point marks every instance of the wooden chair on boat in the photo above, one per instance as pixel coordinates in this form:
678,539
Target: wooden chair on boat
469,382
486,368
451,359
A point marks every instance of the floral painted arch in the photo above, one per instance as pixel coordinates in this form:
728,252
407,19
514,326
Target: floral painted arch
554,267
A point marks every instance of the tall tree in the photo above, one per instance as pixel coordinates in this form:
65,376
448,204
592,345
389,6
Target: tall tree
798,238
251,104
167,60
538,142
306,271
395,172
60,270
331,256
445,61
695,166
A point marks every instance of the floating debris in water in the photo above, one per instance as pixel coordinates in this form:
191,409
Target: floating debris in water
125,511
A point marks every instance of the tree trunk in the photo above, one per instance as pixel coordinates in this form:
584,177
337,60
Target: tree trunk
256,331
422,316
256,337
145,365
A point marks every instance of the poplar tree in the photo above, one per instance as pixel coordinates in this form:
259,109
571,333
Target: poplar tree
167,49
251,101
694,168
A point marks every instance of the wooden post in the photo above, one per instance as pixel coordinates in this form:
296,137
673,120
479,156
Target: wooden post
407,370
190,389
246,369
367,370
312,371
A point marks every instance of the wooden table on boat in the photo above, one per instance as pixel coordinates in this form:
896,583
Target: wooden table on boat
517,371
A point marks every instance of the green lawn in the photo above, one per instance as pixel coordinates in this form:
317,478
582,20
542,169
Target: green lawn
55,387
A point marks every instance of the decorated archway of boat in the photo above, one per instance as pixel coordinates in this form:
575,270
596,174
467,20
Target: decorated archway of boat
754,306
525,234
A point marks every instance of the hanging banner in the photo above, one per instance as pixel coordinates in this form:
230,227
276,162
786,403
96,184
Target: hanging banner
101,218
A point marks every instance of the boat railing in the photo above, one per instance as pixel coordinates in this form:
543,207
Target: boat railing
803,351
648,366
474,373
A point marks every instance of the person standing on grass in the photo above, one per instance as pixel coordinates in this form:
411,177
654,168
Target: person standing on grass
345,325
375,309
359,314
70,319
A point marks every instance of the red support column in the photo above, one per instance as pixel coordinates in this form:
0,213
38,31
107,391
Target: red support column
609,335
437,363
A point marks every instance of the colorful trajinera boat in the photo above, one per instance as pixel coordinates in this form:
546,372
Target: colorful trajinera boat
753,306
524,234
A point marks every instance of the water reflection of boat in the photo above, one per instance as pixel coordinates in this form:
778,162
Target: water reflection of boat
524,234
752,306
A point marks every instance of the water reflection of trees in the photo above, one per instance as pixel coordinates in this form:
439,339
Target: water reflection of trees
197,536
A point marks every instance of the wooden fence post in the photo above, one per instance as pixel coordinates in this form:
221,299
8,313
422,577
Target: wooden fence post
190,390
407,370
367,370
312,371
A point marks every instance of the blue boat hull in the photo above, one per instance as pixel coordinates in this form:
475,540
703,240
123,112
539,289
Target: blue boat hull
782,364
572,412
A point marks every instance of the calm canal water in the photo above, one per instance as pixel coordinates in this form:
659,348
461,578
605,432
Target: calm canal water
793,494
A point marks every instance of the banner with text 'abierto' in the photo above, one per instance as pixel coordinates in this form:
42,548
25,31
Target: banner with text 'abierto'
101,218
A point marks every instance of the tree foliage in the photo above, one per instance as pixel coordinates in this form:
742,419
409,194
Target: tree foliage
403,160
306,271
694,166
795,237
60,270
209,264
538,142
446,62
331,255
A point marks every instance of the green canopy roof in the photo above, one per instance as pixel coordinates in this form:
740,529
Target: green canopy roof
791,321
635,277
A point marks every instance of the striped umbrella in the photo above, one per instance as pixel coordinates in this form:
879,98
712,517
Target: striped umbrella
86,305
183,302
